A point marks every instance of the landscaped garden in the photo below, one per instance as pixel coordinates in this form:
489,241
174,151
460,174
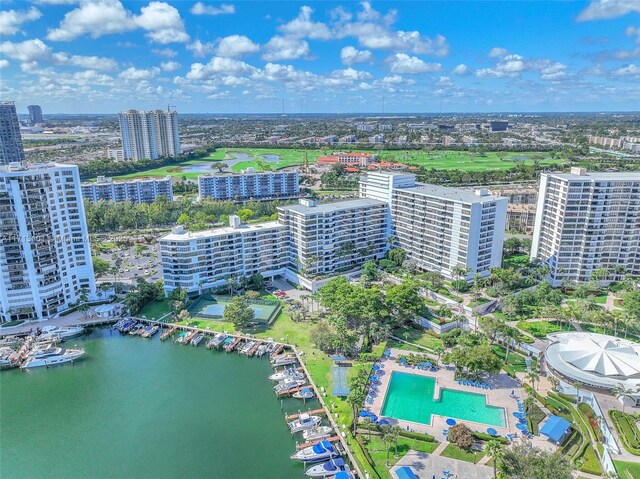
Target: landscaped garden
540,329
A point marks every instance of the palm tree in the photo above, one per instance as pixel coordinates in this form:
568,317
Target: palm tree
509,334
394,436
577,385
438,350
533,376
494,450
620,391
555,382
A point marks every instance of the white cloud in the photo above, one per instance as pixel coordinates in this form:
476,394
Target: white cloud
38,51
444,81
202,9
403,63
104,17
508,67
393,79
55,2
236,46
218,66
374,30
633,32
604,9
133,73
3,64
351,55
629,70
553,72
304,27
170,66
285,48
497,52
12,20
347,76
164,52
461,69
200,49
289,76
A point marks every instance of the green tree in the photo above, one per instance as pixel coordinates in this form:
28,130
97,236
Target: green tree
622,392
494,451
369,271
100,266
357,394
461,436
522,461
83,302
397,256
245,214
239,313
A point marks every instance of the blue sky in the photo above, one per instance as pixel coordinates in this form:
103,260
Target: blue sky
103,56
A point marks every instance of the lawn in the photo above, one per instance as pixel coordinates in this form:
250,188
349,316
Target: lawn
11,323
469,161
516,361
378,451
540,329
416,336
172,170
155,309
454,452
516,261
628,470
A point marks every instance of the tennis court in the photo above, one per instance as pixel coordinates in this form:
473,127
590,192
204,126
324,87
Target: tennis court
212,308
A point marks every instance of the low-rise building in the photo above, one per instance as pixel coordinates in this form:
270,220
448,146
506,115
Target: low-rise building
348,159
141,190
249,185
521,210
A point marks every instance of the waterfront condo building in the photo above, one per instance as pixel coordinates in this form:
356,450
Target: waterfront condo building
588,221
45,256
143,190
11,150
334,237
441,228
249,185
149,134
199,260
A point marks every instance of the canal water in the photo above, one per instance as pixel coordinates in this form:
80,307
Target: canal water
142,408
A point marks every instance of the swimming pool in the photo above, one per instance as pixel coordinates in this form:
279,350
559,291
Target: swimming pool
410,398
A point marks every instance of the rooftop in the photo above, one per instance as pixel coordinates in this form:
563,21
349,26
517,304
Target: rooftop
454,194
18,167
246,173
599,176
102,180
175,235
333,207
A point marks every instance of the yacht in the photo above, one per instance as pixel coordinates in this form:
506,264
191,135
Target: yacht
6,359
327,469
289,373
319,432
319,452
196,340
65,332
149,331
304,422
304,393
284,359
137,330
289,384
52,357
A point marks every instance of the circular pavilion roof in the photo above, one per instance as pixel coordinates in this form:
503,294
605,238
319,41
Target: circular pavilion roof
595,359
105,308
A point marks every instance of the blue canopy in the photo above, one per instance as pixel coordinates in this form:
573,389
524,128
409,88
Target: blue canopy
491,431
364,414
555,428
338,358
342,475
387,352
405,472
403,360
523,427
383,422
451,422
334,464
322,446
375,368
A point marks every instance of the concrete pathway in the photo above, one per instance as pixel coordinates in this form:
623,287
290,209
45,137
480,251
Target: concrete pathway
426,466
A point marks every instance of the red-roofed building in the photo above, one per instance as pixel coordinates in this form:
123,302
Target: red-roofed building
353,159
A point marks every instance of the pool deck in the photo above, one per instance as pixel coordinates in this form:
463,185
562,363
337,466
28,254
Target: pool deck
499,396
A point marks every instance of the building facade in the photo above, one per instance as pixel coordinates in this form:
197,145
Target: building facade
145,190
35,115
521,210
195,261
347,159
249,185
11,150
45,256
149,134
334,237
441,228
588,221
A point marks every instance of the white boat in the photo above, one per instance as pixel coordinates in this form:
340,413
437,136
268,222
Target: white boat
319,452
137,330
329,468
289,384
7,358
53,357
262,349
319,432
195,341
289,373
65,332
305,421
284,359
304,393
149,331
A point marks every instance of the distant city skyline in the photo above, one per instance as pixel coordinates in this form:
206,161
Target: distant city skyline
105,56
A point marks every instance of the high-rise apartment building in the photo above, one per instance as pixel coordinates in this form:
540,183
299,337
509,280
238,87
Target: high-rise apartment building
149,134
11,150
441,228
325,238
142,190
35,115
588,221
249,185
45,256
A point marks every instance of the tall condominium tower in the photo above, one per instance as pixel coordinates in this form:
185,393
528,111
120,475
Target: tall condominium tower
45,257
10,140
35,114
588,221
149,134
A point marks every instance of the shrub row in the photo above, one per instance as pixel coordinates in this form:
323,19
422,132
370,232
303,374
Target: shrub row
482,436
568,397
627,431
408,434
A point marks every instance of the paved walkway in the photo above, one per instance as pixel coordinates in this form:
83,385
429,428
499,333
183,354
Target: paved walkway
426,466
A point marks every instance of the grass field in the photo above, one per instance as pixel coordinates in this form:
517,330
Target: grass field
628,470
445,160
155,309
454,452
540,329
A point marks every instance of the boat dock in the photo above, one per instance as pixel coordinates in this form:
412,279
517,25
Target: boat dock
168,333
313,443
233,345
287,392
291,417
190,336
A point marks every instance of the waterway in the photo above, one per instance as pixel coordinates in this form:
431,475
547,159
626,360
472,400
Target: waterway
140,408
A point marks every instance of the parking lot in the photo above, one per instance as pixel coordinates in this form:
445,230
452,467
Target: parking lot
137,261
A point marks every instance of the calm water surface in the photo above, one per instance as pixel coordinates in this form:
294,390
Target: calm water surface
139,408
